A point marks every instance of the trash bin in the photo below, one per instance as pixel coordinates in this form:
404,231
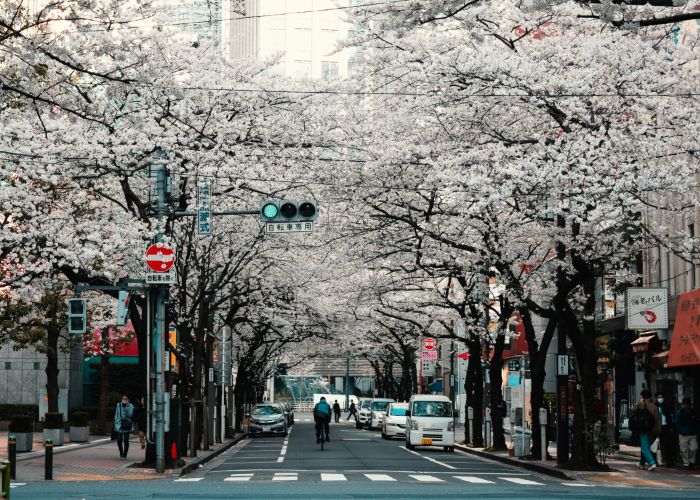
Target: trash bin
522,446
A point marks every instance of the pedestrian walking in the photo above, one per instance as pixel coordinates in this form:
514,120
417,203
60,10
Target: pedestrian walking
140,420
666,439
644,420
687,426
336,411
123,425
352,411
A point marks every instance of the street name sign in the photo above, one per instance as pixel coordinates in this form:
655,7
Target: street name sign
204,215
289,227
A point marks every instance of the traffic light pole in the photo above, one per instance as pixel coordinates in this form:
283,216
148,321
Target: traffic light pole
159,323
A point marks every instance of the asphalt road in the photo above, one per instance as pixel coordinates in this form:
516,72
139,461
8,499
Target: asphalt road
356,463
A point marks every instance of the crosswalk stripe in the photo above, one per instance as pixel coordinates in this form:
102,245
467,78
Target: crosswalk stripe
425,478
473,479
380,477
238,478
188,479
519,480
333,477
285,476
14,485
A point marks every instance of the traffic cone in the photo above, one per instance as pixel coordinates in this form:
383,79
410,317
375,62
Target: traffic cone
173,452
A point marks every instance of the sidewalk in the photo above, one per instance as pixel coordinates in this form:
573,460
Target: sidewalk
99,461
623,468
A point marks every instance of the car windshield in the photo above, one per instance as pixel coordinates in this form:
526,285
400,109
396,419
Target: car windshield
365,404
267,410
431,409
380,405
398,412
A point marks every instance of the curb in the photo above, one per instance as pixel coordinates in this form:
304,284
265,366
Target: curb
542,469
202,460
60,449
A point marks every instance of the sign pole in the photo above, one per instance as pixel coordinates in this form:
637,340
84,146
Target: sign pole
159,330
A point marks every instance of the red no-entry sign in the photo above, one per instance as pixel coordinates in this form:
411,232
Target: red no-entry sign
429,344
160,258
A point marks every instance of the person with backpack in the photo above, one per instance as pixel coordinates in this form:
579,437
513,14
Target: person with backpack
123,425
644,420
687,427
322,418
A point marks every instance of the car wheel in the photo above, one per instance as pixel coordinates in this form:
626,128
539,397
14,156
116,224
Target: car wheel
384,436
357,425
409,446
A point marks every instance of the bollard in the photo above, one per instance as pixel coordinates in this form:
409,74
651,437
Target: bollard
487,426
5,483
470,416
48,459
12,452
543,433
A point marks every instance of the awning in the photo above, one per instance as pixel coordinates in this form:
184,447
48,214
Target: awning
685,344
436,386
642,343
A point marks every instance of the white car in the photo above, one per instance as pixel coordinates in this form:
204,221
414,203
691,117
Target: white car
377,410
394,423
363,413
430,422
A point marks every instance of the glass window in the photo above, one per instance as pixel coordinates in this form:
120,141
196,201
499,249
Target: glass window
380,405
431,409
398,412
329,70
267,410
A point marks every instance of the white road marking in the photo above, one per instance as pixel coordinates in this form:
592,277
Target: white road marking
188,479
425,478
578,484
473,479
380,477
279,460
284,476
428,458
520,480
239,477
333,477
14,485
283,451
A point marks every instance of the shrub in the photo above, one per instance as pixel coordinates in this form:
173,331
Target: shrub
53,421
79,419
9,411
21,423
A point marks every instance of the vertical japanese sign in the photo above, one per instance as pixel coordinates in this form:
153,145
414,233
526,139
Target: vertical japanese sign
204,216
685,345
647,308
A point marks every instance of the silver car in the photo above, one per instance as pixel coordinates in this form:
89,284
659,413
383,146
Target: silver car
268,419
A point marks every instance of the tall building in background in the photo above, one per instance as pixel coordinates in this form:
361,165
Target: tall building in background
202,20
306,31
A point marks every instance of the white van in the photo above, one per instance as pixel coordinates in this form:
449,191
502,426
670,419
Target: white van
430,422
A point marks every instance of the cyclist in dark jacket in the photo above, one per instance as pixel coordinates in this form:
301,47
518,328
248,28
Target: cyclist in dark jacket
322,417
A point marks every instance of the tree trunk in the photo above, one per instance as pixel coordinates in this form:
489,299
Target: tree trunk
474,386
104,383
496,396
52,333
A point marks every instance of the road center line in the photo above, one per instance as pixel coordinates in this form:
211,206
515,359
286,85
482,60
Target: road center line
428,458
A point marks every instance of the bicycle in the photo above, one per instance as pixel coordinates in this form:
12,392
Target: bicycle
320,429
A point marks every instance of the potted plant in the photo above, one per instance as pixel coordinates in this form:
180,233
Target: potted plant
53,428
79,428
22,427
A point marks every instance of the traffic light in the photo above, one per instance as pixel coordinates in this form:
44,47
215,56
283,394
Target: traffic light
289,211
77,316
123,307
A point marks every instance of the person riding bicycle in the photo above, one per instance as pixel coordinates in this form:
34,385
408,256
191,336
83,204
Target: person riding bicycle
322,417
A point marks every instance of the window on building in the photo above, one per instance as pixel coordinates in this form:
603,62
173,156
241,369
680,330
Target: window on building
8,365
691,230
37,366
302,68
329,70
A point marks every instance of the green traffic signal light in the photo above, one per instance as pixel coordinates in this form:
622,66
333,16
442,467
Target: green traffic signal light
270,211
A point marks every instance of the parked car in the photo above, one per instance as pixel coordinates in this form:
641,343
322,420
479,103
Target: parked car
430,422
377,412
363,413
289,413
394,423
267,418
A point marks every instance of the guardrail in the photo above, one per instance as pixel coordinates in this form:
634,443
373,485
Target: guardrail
5,480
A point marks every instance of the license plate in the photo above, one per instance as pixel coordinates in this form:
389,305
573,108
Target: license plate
426,441
266,429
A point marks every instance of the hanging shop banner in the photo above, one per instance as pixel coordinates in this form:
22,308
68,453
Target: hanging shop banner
647,308
685,344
